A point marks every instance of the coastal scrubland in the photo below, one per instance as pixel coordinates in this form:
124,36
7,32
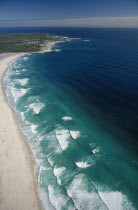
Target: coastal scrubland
26,42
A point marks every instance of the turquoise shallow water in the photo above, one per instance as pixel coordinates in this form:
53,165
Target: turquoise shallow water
77,105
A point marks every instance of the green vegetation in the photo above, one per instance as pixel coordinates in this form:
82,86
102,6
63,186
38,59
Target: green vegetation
26,42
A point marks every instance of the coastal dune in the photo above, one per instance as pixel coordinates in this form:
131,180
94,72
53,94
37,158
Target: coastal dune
18,185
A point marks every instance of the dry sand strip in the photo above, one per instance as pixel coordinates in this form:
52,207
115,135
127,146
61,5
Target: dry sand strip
18,185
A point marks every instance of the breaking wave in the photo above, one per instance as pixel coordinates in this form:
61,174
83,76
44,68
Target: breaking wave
77,163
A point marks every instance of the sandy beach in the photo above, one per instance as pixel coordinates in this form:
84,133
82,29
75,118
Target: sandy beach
18,185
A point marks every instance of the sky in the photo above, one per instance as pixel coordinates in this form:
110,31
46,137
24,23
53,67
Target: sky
72,12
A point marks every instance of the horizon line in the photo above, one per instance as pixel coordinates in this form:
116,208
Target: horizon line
112,21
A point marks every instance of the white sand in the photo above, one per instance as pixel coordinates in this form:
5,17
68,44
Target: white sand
18,185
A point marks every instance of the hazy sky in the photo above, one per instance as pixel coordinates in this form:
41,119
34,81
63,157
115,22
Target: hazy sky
23,11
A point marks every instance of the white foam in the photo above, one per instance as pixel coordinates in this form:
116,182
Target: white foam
83,196
57,50
66,118
36,107
41,138
57,199
74,38
24,91
51,162
116,200
96,150
23,81
25,58
18,93
89,198
65,37
44,198
17,70
22,115
33,128
39,175
82,164
63,138
50,46
75,134
58,171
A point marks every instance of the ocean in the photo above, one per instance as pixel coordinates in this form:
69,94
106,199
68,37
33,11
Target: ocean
78,107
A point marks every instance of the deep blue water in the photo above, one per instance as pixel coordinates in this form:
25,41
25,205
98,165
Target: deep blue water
79,111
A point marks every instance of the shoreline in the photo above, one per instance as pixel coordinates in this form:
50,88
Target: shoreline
18,183
48,46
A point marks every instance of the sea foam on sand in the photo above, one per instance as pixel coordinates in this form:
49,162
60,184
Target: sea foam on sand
18,186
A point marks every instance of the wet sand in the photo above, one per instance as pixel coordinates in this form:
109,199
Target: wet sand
18,184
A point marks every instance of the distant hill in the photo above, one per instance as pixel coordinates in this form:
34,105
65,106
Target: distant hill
26,42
